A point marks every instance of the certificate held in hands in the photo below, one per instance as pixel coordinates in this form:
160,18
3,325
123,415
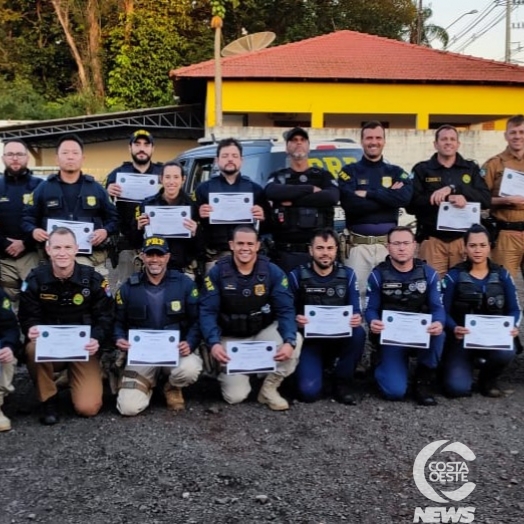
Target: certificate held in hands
328,321
168,221
405,329
489,332
512,183
231,208
250,357
452,218
62,344
136,187
153,348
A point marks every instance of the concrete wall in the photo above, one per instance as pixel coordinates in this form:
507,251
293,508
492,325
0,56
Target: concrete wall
404,147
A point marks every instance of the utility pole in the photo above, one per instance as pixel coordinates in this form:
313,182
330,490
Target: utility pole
507,55
419,23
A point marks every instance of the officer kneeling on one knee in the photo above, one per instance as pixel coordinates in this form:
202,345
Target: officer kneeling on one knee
157,299
477,286
247,298
326,282
64,292
404,283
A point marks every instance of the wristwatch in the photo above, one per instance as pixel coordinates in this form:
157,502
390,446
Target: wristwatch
453,188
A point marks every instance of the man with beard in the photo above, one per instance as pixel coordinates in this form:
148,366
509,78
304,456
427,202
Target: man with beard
17,251
326,282
229,162
157,299
371,192
303,198
141,147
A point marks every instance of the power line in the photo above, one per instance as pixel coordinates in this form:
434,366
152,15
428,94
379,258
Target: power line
482,32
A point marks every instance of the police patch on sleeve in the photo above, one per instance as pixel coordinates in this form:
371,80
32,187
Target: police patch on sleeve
405,176
209,285
285,282
194,293
30,200
6,304
118,298
344,176
105,287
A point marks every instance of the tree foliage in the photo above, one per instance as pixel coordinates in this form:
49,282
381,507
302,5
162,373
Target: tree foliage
75,56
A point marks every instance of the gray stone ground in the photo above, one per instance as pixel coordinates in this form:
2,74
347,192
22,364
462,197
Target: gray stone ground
317,463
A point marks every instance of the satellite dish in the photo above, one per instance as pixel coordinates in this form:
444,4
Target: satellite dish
248,43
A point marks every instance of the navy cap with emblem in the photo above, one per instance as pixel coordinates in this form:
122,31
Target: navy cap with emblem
155,243
297,131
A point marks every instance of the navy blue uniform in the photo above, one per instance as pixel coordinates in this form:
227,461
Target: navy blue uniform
495,294
419,293
339,288
14,193
126,210
172,304
183,250
377,212
9,331
267,289
84,201
431,175
217,236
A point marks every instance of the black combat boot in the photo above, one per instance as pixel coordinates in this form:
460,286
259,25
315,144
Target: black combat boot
423,386
49,411
344,392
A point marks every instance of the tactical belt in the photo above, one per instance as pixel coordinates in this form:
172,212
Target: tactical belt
292,248
361,239
511,226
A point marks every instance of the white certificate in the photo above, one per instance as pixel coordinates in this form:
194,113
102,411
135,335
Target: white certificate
136,187
153,347
451,218
231,208
62,344
251,357
82,231
405,329
328,321
512,183
168,221
489,332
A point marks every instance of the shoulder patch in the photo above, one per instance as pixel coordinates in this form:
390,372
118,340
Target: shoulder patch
194,293
6,304
209,284
105,287
285,282
118,298
344,176
405,176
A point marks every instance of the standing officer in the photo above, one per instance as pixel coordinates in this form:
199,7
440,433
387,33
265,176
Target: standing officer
141,148
303,198
159,299
245,297
71,195
445,177
508,211
229,162
63,291
18,252
405,283
371,193
9,344
326,282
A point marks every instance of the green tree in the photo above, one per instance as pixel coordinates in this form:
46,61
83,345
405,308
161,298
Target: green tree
422,32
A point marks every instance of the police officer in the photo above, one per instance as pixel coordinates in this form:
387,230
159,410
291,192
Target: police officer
404,283
141,148
230,180
62,291
184,251
303,198
476,286
371,193
245,297
17,251
157,299
326,282
71,195
508,211
9,346
445,177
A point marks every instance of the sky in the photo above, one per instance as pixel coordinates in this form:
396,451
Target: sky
491,43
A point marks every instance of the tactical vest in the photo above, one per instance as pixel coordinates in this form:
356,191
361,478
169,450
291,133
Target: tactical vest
315,293
174,307
469,298
289,219
88,207
66,302
244,307
409,296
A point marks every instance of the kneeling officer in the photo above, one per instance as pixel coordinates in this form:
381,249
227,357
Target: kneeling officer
246,297
157,298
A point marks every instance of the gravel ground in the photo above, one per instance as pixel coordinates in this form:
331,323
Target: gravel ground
317,463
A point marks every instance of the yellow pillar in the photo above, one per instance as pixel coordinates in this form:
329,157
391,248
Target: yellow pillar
210,105
317,119
422,121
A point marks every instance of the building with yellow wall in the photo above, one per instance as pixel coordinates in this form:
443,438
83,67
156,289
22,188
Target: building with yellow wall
345,78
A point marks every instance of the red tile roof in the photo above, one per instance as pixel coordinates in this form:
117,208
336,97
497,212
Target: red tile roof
350,56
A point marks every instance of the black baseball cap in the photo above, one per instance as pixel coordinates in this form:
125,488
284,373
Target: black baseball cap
297,131
155,243
141,133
